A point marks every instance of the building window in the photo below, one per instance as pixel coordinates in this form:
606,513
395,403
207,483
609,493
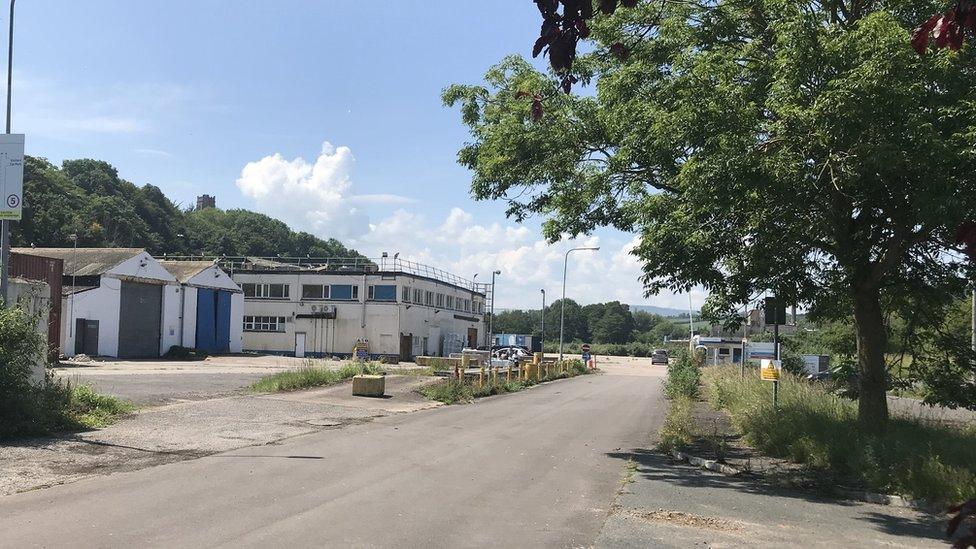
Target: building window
429,300
418,296
344,292
381,292
264,324
440,301
266,291
450,302
467,305
405,294
315,291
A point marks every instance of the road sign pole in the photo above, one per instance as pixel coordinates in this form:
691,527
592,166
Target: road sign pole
5,225
775,394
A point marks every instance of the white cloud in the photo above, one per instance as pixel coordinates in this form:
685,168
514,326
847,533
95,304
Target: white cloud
154,152
316,197
320,197
528,263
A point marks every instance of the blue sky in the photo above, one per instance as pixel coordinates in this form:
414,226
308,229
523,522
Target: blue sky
224,97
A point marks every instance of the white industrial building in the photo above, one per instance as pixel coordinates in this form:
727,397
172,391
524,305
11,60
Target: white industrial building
211,307
117,302
324,307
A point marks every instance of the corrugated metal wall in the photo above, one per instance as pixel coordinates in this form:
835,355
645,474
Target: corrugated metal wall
49,270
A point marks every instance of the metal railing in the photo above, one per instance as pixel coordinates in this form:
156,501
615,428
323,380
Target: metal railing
337,264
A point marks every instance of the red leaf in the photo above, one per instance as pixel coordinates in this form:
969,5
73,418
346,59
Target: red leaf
920,37
942,29
619,51
584,30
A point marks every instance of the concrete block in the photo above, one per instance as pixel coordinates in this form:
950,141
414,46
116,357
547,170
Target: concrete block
368,385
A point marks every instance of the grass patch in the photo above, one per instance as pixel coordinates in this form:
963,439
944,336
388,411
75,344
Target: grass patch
814,427
678,431
310,375
454,391
684,376
94,410
55,406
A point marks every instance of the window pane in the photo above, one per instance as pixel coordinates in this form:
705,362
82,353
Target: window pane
312,291
341,291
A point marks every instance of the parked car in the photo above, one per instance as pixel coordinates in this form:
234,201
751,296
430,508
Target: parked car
659,356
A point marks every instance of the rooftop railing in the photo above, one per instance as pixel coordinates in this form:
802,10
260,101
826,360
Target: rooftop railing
338,264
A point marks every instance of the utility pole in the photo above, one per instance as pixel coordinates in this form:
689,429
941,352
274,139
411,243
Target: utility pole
974,319
5,225
562,302
542,334
491,317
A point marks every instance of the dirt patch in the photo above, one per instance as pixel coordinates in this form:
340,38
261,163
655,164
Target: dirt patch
689,520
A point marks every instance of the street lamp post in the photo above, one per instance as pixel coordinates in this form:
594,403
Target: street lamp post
542,332
5,225
562,302
491,315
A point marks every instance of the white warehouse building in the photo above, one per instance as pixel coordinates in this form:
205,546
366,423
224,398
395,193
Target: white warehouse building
324,307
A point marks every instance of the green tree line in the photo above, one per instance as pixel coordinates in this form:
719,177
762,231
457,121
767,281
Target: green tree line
88,198
611,323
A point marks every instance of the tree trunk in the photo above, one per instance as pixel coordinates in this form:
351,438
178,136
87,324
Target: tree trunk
872,339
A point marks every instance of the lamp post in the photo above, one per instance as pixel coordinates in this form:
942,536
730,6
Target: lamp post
74,285
5,225
491,314
542,332
562,302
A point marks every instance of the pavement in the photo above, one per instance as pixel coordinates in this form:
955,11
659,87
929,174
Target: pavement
193,429
155,382
563,464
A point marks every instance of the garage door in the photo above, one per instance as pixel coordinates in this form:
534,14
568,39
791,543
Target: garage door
213,320
139,320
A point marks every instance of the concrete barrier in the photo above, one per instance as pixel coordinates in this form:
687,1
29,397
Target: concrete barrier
368,385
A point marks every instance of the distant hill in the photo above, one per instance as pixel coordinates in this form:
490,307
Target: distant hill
88,198
663,311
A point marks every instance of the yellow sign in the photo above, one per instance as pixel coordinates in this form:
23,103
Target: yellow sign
769,369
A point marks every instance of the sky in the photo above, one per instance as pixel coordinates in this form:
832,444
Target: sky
325,114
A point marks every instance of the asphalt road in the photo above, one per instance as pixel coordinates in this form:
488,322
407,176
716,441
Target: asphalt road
538,468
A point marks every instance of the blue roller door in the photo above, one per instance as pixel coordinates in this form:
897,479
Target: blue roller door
222,343
206,320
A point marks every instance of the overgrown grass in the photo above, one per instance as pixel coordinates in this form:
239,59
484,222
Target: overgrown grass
94,410
55,406
678,431
684,376
310,375
814,427
453,391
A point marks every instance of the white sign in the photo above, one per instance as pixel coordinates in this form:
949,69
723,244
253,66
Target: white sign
11,176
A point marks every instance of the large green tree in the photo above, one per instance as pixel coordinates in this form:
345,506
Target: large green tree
88,198
799,147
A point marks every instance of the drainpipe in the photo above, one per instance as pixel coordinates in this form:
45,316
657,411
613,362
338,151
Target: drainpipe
362,295
182,290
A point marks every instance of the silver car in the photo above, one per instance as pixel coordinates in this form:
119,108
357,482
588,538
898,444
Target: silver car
659,356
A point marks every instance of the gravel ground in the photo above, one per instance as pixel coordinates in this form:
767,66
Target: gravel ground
193,429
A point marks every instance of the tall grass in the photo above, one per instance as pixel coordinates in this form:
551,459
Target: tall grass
812,426
55,406
310,375
684,376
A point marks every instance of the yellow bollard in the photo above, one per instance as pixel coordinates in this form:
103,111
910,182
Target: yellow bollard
508,373
464,367
481,377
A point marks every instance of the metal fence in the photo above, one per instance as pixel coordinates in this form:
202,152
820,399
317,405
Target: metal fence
338,264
